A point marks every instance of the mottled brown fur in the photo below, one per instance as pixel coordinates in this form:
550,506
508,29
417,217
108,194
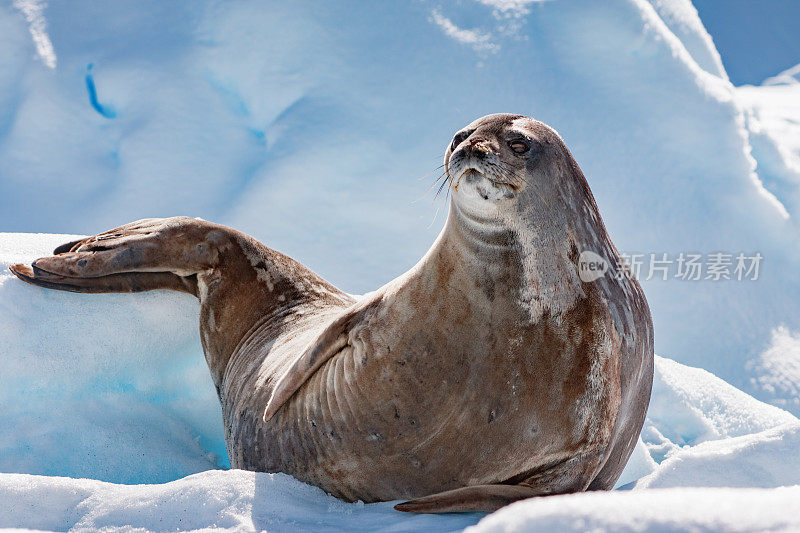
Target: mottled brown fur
486,374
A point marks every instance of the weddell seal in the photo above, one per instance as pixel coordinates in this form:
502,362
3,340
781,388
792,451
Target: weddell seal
488,373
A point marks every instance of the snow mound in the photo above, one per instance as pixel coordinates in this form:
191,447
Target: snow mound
662,511
766,459
232,500
690,406
113,388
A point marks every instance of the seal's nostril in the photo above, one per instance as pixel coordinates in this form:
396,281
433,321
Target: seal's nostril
479,150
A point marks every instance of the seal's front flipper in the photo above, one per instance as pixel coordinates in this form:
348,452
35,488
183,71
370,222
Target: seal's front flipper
130,282
333,339
144,255
478,498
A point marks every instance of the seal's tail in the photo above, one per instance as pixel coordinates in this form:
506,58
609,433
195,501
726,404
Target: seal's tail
478,498
140,256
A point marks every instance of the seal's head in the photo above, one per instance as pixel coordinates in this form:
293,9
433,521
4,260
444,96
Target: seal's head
502,160
516,188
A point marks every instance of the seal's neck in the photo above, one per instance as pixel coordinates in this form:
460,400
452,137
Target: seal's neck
525,262
483,238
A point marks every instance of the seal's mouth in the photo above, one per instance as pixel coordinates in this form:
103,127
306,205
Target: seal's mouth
473,175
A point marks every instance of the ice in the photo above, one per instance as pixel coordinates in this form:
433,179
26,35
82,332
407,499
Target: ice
318,129
690,406
231,500
655,511
765,459
113,388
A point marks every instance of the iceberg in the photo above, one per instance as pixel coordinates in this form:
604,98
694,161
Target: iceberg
318,129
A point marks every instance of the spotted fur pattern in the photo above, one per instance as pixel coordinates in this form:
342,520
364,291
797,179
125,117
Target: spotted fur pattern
487,373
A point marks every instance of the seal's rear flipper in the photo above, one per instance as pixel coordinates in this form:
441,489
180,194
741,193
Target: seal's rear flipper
479,498
144,255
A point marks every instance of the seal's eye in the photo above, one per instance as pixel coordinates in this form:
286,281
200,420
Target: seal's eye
458,139
518,146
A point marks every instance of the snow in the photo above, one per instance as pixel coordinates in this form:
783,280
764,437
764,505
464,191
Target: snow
772,113
765,459
91,386
790,76
690,406
318,130
246,501
231,500
657,511
777,370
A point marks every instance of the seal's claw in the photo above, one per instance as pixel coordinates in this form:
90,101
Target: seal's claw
34,276
67,247
22,271
404,507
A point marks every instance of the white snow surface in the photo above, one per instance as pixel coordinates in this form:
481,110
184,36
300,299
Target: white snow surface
317,130
118,377
656,511
772,114
245,501
233,500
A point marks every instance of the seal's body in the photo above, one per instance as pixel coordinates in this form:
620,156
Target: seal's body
488,373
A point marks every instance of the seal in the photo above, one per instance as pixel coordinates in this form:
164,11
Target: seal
488,373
